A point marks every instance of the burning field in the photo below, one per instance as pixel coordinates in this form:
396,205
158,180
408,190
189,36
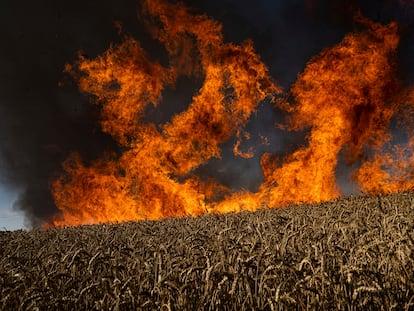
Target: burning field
349,101
347,254
222,188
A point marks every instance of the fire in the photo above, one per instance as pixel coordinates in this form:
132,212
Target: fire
343,97
152,178
389,172
391,168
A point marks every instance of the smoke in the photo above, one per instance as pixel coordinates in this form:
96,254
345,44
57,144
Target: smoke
40,122
43,116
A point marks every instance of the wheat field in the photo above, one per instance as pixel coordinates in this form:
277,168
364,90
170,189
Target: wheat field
349,254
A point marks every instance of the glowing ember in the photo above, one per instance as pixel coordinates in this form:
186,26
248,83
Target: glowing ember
344,97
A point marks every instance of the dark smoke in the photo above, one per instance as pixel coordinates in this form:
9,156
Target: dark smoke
40,122
43,117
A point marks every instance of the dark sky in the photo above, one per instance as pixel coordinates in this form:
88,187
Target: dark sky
43,117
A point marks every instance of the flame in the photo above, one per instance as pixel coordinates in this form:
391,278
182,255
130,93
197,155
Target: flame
343,98
389,172
391,168
151,178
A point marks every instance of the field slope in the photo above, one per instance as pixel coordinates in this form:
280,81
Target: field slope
350,254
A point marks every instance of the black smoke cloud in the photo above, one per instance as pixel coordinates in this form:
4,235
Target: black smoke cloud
43,117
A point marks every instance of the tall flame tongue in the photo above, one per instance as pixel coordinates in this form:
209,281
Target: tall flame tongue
343,97
150,179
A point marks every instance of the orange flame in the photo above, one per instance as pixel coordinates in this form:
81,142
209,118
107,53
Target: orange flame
389,172
391,169
150,179
344,97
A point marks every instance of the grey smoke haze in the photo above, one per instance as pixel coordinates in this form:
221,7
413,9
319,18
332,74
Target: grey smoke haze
42,122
